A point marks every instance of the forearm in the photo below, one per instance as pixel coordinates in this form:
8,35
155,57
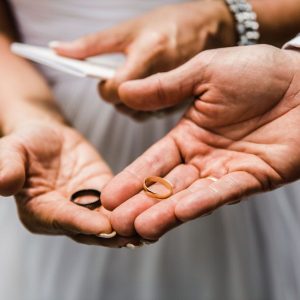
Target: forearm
279,20
24,94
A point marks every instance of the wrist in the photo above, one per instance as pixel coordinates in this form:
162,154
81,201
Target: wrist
226,35
245,19
228,27
286,14
24,94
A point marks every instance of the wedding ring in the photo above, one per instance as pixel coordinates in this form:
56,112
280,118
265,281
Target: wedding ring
92,204
154,179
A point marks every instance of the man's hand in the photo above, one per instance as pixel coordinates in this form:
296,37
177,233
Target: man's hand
240,136
158,41
43,164
240,82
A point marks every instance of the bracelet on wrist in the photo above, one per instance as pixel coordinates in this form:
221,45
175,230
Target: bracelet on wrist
246,21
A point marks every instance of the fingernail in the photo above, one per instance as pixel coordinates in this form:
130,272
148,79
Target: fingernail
132,246
107,235
147,242
54,44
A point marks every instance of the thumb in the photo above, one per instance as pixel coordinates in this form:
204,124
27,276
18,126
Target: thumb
139,63
163,90
12,166
112,40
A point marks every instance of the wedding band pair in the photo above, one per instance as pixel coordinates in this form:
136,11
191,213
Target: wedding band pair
96,195
148,182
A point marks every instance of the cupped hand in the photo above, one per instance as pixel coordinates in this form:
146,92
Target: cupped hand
157,41
43,164
240,136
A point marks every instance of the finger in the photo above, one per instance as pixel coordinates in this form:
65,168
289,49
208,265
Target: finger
108,41
57,215
227,189
160,218
160,159
141,58
73,218
117,242
12,166
163,90
124,216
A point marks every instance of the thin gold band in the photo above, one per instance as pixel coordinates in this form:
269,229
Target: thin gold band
154,179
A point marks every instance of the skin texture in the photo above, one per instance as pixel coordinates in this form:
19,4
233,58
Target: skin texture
157,41
42,159
169,36
241,130
278,19
29,101
43,165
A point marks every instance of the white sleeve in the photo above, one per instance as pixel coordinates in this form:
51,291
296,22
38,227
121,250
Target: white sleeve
293,44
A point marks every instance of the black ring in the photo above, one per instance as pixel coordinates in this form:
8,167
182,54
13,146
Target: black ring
89,192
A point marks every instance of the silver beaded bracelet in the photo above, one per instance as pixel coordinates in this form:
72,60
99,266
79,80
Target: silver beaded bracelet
246,21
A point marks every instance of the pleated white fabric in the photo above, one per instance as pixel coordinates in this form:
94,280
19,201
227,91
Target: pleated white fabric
246,252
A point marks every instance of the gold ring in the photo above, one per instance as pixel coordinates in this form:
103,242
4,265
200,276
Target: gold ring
154,179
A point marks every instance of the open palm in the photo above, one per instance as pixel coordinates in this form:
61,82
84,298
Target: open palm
240,136
43,165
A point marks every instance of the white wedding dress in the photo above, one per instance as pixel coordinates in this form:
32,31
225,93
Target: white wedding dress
249,251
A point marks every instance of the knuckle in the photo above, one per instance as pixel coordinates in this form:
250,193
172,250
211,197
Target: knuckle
83,48
155,231
122,225
161,93
153,161
159,39
146,232
85,44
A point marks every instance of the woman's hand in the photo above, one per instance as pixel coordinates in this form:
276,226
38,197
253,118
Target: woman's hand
158,41
241,136
43,164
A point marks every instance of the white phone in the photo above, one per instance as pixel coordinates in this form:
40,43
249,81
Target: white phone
103,71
